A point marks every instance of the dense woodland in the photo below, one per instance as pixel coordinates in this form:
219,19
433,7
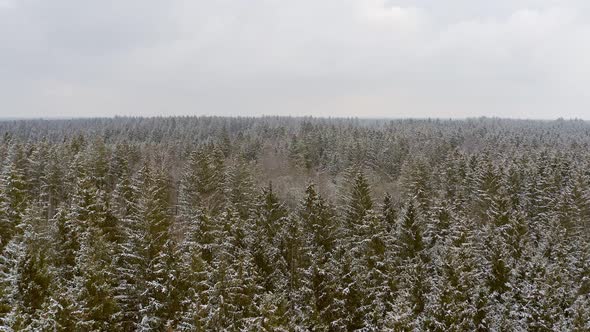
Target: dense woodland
294,224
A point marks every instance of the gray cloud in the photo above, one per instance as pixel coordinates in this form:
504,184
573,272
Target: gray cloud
373,58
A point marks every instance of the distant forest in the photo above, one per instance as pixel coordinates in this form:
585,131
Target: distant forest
294,224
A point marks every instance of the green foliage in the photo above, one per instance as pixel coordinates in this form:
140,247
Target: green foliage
199,224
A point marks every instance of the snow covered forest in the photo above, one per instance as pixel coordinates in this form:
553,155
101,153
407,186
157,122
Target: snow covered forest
294,224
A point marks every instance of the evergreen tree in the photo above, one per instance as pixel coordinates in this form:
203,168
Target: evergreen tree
239,187
13,193
98,310
233,299
156,262
25,277
410,241
319,286
359,200
270,214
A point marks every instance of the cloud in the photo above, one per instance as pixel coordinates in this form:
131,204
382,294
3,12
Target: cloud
394,17
396,58
4,4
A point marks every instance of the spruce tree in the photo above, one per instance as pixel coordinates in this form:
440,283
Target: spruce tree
359,200
319,286
25,276
13,193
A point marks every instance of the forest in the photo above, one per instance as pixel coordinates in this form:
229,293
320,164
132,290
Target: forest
294,224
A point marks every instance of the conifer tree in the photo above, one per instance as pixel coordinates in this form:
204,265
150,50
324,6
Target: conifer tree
269,216
239,187
195,283
25,276
233,299
487,229
319,287
98,310
158,303
411,261
359,200
389,213
292,249
201,184
410,241
13,193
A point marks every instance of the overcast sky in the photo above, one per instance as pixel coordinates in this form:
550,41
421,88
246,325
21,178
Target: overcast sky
364,58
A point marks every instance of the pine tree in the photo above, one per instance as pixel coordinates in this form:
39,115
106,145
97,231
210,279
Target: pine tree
156,262
273,310
359,200
13,193
318,221
270,214
194,281
416,176
374,243
26,279
410,241
126,258
98,309
233,299
449,306
319,286
580,315
239,187
201,184
293,252
411,263
389,213
53,183
65,241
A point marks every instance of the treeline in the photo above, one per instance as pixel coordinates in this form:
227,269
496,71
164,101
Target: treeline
212,224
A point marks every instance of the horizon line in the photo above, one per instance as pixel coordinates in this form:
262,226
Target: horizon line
482,117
